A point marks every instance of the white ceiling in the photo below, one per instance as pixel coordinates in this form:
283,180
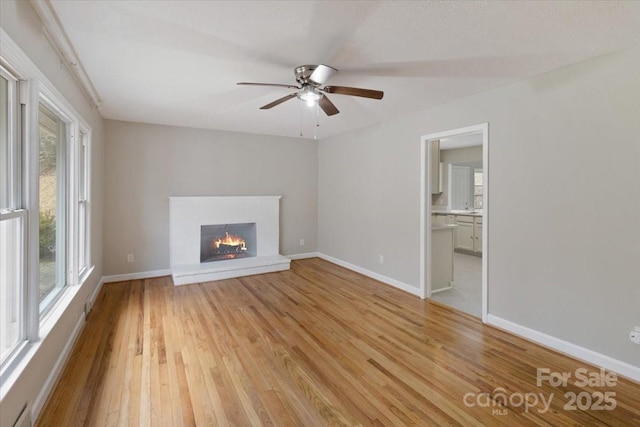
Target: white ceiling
177,62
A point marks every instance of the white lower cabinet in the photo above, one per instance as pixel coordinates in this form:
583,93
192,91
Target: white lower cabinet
468,236
477,241
441,258
464,233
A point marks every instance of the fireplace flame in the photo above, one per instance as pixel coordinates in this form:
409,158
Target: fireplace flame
230,240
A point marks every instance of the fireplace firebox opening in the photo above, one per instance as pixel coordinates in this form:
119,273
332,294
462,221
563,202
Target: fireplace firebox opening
220,242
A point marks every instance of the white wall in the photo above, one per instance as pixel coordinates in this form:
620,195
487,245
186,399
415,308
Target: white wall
148,163
564,159
24,27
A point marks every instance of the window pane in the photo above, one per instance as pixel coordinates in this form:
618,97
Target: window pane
5,168
477,177
82,172
477,189
10,284
53,136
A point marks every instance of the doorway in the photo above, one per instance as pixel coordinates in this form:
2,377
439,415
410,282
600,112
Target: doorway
446,218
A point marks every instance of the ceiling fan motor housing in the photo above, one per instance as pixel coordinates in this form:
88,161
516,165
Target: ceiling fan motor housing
303,72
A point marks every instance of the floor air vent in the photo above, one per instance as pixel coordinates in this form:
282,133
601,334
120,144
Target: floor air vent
24,420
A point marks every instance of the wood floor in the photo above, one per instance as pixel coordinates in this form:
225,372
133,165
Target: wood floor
317,345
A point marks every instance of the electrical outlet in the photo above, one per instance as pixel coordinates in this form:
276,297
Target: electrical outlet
129,257
634,336
381,259
301,242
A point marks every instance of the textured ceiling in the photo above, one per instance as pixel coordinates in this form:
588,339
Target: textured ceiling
177,62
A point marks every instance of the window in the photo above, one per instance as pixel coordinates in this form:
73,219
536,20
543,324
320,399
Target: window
52,210
477,188
12,221
45,212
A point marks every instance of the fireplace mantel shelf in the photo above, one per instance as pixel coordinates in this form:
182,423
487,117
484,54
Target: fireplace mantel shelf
219,270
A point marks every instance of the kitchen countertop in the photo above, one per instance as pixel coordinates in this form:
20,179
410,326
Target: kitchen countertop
436,227
456,212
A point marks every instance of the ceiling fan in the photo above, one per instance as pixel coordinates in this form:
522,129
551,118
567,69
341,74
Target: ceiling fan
310,78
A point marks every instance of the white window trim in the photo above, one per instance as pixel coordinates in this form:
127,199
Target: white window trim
33,84
84,137
15,208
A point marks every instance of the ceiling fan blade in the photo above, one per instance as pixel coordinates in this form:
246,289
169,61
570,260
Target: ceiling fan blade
322,74
354,91
268,84
278,101
327,106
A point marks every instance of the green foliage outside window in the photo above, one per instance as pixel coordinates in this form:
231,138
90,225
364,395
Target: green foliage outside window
47,235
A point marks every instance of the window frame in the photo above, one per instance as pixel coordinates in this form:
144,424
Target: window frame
83,202
64,210
14,211
78,129
32,86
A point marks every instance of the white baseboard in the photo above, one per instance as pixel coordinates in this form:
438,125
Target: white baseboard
135,276
41,399
384,279
303,256
624,369
96,291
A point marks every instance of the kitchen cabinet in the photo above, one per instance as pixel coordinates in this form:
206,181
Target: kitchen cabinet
464,233
468,236
477,232
442,257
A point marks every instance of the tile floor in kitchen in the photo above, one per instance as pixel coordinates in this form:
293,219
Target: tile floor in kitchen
466,294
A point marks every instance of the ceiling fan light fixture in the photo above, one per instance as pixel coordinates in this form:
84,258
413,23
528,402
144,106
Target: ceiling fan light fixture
309,95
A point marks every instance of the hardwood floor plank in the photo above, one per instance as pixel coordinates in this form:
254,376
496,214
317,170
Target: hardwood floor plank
145,377
316,345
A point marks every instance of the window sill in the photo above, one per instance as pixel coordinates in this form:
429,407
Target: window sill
17,365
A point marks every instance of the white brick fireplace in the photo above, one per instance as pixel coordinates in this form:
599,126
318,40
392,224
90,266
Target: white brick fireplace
187,216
